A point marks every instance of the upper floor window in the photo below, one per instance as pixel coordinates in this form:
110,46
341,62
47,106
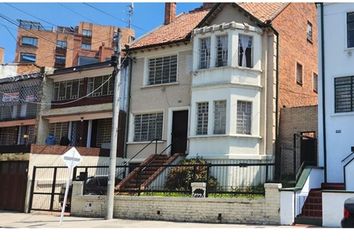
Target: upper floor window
162,70
245,51
244,117
309,31
81,60
148,127
344,94
219,117
100,86
86,46
67,90
299,74
204,53
202,118
86,32
315,82
29,41
27,57
350,29
61,44
221,51
60,59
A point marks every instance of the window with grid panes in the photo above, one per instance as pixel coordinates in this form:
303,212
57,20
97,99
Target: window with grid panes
244,117
221,51
162,70
219,117
59,130
202,118
350,29
99,86
68,90
204,53
148,127
344,94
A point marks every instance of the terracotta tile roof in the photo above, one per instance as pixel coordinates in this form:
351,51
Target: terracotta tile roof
263,11
175,31
184,23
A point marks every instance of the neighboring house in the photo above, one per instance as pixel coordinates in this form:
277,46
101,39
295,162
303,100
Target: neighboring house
320,198
19,101
211,82
63,46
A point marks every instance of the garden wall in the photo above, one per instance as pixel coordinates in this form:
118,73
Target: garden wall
259,210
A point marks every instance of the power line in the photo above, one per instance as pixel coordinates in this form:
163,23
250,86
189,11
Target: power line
108,14
73,11
20,10
8,30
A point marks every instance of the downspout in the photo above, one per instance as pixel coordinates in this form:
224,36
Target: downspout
277,150
128,105
323,96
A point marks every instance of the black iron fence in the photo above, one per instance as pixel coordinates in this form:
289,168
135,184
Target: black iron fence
237,178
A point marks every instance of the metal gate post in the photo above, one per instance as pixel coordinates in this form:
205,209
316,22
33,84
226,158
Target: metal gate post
53,189
32,189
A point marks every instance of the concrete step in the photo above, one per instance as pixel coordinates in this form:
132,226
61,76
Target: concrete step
317,221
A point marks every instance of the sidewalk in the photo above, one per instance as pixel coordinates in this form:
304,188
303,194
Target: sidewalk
46,220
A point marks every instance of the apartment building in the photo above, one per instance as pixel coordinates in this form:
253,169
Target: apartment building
65,46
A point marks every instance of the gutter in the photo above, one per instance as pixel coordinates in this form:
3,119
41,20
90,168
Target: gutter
323,96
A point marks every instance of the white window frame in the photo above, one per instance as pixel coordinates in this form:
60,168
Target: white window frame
216,49
219,120
237,117
147,72
208,62
204,121
252,50
134,137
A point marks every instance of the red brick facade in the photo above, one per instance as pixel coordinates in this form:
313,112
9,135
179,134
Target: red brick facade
294,47
101,41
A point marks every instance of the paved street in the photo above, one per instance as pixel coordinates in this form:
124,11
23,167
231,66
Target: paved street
46,220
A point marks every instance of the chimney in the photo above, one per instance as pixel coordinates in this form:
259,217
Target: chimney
1,55
170,12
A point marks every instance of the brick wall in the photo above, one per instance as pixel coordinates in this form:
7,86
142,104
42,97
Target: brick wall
294,47
46,48
233,210
294,120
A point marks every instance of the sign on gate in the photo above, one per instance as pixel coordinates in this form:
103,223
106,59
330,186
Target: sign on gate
72,158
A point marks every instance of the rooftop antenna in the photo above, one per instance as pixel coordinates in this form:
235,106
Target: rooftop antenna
130,14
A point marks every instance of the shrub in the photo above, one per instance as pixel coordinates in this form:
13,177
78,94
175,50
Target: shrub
180,178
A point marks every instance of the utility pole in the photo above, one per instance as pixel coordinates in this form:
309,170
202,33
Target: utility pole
114,133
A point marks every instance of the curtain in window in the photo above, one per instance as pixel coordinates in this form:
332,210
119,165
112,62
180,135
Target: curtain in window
244,42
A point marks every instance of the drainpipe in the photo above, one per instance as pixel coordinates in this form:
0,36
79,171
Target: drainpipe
323,96
128,106
277,147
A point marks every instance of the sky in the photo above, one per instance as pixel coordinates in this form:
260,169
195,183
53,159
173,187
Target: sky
146,17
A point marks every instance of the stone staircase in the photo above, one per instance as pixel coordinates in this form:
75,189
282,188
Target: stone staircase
142,176
312,210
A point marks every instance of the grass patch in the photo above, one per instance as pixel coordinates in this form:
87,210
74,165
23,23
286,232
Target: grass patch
210,195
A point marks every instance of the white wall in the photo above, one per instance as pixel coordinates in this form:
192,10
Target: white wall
292,200
7,70
339,62
333,207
